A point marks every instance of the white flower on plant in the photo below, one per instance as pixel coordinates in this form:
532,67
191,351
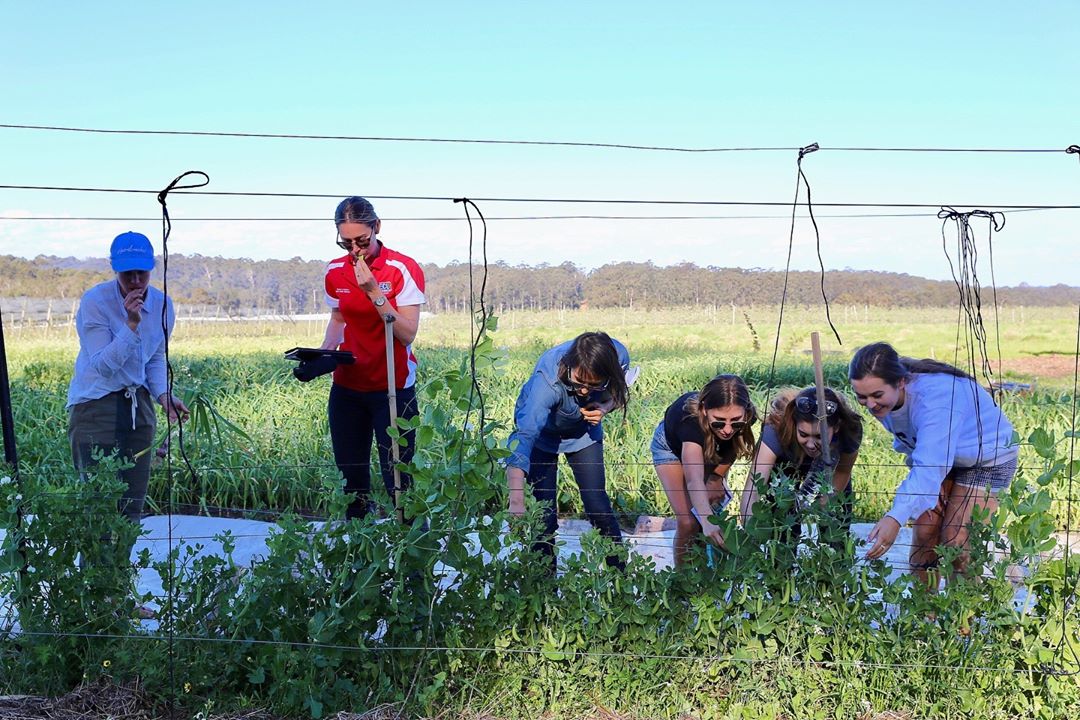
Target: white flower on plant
5,480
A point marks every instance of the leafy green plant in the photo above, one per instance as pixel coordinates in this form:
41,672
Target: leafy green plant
66,569
452,613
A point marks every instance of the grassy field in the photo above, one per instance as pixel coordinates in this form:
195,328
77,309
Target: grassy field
286,458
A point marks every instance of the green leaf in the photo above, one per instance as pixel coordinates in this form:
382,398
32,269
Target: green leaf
10,560
1047,477
1043,442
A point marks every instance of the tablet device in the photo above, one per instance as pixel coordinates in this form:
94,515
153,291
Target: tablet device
304,354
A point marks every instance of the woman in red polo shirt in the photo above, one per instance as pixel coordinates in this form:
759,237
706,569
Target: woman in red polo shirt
362,288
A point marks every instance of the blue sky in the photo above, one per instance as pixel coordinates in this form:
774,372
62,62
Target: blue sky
684,74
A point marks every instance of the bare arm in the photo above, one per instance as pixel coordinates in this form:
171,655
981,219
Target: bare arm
515,482
335,331
406,323
693,463
842,474
763,464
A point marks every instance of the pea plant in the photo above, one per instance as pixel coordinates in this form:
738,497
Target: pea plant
452,613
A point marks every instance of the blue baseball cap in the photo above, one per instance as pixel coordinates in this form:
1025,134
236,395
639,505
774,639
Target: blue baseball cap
131,251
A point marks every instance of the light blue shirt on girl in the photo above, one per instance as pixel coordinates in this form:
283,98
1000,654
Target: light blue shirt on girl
111,356
945,422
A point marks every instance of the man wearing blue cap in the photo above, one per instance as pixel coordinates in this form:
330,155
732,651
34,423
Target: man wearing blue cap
120,370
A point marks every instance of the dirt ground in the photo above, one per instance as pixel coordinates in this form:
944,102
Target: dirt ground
1037,367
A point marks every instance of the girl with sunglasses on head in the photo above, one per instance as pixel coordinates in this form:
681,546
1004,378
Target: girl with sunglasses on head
958,447
559,411
791,443
363,288
693,448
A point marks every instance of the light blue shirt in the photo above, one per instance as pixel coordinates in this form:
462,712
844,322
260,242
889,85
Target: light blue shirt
111,356
945,422
547,416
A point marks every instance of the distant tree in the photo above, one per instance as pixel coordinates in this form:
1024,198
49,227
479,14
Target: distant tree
284,286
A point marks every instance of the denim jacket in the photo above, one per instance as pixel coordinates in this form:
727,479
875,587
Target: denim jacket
547,416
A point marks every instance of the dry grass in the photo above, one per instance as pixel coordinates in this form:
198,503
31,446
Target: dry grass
87,702
109,701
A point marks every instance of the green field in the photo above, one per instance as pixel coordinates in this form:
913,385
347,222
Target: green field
286,459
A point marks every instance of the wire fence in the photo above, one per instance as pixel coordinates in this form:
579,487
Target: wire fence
972,304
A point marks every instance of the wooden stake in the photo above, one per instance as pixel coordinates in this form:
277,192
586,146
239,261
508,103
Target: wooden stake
819,381
391,394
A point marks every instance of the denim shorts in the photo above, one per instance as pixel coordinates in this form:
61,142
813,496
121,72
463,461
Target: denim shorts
661,452
994,477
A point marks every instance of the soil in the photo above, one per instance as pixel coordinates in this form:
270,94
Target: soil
1048,367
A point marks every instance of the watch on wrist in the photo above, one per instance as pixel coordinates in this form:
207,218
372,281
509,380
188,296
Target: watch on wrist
379,301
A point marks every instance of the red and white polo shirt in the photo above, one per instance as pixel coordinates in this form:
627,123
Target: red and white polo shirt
402,281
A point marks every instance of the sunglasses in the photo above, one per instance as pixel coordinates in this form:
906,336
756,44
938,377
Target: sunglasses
736,425
808,406
585,387
359,243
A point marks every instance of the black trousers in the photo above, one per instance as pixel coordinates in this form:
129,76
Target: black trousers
355,419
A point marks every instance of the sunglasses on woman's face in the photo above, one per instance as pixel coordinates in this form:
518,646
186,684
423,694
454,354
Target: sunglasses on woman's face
579,387
361,243
808,406
735,425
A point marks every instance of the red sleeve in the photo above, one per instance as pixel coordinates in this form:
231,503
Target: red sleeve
329,286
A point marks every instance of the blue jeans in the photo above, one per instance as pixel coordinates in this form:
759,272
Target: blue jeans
587,465
355,419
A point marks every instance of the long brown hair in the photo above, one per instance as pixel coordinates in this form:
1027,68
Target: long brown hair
595,353
721,391
784,416
881,360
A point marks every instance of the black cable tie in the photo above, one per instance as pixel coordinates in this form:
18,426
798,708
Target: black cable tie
996,217
175,184
1073,150
812,147
948,213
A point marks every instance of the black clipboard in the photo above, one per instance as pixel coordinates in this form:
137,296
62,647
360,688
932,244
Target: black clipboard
305,354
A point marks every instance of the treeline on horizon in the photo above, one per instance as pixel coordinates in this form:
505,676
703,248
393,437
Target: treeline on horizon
240,286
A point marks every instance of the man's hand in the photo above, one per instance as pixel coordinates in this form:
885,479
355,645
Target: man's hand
174,407
133,304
